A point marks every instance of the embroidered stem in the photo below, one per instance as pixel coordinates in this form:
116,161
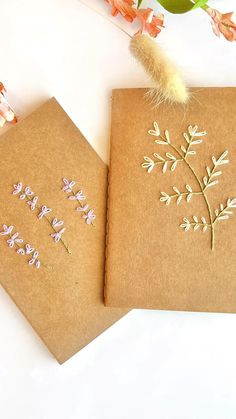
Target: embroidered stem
81,205
29,198
203,193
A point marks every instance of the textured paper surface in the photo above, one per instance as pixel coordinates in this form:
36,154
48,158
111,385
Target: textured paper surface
151,262
64,304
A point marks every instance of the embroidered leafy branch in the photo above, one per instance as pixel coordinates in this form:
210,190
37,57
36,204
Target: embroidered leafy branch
88,214
192,138
179,195
15,241
43,211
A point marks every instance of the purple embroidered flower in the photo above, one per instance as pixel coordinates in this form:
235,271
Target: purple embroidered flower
89,217
68,185
57,223
21,251
77,197
82,209
34,260
44,211
32,204
27,193
6,230
14,240
28,249
17,188
57,235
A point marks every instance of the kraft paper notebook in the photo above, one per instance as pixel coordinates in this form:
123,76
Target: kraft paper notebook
171,239
53,189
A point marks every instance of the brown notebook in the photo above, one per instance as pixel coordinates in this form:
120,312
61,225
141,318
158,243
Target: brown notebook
56,274
172,203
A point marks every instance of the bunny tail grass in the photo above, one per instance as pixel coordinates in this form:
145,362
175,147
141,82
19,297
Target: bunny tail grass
168,84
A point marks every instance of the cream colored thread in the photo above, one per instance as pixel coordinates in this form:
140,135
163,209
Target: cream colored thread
192,138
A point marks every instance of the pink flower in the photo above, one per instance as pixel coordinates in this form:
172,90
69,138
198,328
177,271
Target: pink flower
149,22
224,24
124,7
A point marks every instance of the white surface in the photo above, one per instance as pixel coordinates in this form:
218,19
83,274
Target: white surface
163,365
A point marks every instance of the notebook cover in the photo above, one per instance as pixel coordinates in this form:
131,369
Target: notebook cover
160,239
63,299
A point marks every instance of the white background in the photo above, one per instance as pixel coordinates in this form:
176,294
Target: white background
155,365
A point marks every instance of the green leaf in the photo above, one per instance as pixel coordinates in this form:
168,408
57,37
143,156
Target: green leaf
199,3
181,6
139,3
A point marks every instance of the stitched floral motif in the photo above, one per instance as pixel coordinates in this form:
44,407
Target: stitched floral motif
43,212
14,241
79,197
192,137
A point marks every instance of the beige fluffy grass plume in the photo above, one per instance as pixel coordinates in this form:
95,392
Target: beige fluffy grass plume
168,84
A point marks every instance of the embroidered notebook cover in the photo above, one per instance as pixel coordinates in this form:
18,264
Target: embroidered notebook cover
53,189
171,238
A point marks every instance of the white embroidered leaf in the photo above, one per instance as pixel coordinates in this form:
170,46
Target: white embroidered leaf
186,220
150,168
203,220
223,217
158,156
195,219
231,203
164,194
196,227
191,153
188,187
174,165
168,201
189,196
179,199
167,135
205,228
156,131
176,190
209,185
216,174
213,160
208,171
192,130
221,160
216,212
164,198
205,180
186,137
221,207
183,149
170,156
200,134
161,142
195,142
165,167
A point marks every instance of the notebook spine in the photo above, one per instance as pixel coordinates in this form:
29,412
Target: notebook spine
107,218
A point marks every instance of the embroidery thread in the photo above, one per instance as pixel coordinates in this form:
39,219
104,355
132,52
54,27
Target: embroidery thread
26,194
14,241
192,138
88,214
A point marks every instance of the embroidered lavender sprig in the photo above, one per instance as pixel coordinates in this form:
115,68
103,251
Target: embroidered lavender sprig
14,241
32,201
88,214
